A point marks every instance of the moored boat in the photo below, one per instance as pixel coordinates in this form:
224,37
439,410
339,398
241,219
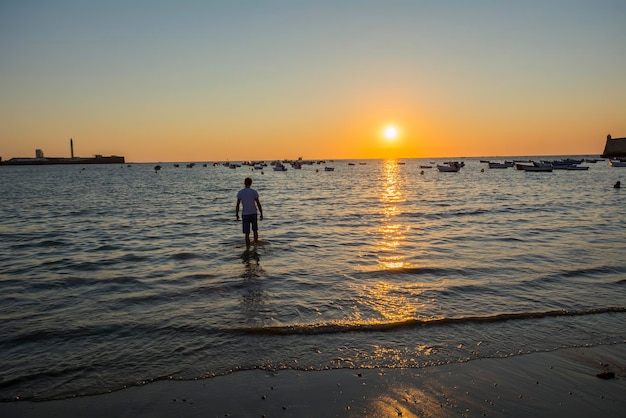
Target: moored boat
450,168
540,168
279,166
498,165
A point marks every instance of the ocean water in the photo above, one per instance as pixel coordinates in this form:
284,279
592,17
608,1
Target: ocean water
114,276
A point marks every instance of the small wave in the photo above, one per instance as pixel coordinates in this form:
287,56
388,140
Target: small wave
40,244
437,272
22,381
589,271
576,273
77,281
133,258
447,214
508,239
184,256
51,334
199,276
316,329
106,247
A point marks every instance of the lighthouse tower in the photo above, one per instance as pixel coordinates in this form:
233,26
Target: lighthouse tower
72,147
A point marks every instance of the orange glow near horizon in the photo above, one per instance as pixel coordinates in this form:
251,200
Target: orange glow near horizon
416,135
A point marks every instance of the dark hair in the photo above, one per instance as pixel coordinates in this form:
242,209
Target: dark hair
247,181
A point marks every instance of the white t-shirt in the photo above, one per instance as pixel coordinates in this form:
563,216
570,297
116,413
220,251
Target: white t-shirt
247,196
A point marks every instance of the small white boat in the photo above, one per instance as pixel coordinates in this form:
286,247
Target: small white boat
448,168
279,167
541,168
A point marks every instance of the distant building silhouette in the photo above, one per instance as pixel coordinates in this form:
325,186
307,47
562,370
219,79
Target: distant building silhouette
614,148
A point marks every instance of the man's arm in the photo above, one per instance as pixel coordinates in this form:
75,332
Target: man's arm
237,208
258,204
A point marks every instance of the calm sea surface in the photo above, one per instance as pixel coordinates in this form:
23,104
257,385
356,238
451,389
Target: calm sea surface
117,275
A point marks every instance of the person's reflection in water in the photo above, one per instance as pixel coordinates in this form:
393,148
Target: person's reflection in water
252,298
251,260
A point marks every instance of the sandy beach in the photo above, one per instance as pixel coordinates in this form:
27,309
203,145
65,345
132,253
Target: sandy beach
583,381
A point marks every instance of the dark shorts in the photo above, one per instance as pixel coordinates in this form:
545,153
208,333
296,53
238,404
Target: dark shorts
249,220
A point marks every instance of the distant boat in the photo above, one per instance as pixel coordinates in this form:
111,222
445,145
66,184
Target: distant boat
279,167
451,168
498,165
541,168
426,166
617,163
329,168
562,164
454,163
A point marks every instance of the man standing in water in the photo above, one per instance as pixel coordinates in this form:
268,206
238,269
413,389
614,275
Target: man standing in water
250,200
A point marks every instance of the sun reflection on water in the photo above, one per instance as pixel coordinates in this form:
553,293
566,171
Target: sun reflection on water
385,299
391,233
389,301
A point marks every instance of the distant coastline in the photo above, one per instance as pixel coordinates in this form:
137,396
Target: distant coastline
40,159
98,159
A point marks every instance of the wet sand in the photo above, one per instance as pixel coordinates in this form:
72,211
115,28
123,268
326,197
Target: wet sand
563,382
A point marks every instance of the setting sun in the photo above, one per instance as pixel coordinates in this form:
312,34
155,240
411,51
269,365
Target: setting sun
390,132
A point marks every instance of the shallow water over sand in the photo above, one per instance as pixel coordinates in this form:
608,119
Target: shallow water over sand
114,276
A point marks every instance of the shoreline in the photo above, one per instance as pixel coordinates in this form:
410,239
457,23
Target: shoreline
563,382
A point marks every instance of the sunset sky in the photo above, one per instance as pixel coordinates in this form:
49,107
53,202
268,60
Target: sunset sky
239,80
